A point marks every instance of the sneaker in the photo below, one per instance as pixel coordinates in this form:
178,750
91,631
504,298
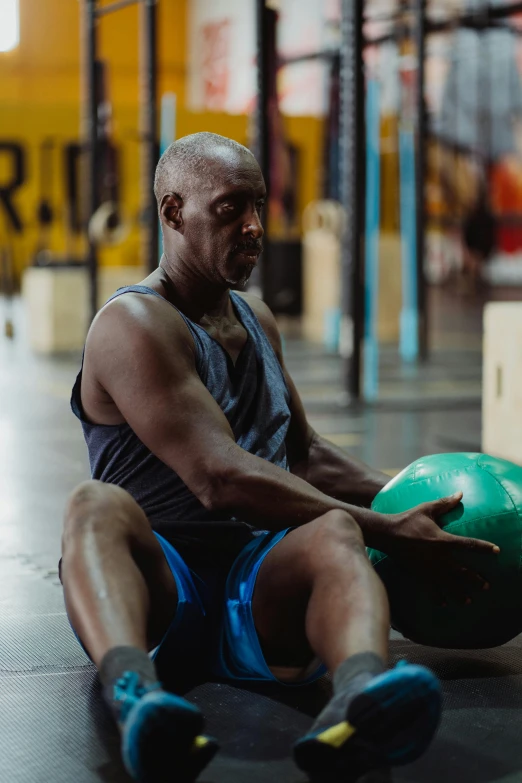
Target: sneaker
161,734
389,722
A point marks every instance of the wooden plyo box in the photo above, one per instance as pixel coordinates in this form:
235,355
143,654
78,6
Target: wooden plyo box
322,284
502,381
56,301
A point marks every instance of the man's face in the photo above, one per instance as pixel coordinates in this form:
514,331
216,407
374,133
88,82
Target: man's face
222,231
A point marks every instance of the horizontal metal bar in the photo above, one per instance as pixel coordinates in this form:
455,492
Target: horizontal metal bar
482,18
503,11
488,11
403,33
108,9
443,221
489,17
325,54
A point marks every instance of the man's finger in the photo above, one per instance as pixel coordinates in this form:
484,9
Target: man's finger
442,506
436,508
470,578
448,584
476,544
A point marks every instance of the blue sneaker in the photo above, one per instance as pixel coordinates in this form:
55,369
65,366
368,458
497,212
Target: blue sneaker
389,722
161,734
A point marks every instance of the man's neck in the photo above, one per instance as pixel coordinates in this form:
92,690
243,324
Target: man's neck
191,292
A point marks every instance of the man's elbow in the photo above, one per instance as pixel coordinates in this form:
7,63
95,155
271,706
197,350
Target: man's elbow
209,497
220,490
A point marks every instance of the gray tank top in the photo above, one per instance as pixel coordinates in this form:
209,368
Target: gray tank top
252,394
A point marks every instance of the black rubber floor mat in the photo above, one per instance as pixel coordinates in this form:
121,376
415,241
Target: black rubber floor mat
28,588
38,642
505,661
54,727
479,740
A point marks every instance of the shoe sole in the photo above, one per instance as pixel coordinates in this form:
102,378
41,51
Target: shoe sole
390,723
162,739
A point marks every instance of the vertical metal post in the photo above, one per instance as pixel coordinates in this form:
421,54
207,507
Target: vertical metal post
262,126
90,138
352,190
149,123
420,173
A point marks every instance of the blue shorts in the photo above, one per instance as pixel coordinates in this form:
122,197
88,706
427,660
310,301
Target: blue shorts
212,634
222,623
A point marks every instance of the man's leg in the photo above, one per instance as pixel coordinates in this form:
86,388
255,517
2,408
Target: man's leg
121,597
118,587
317,594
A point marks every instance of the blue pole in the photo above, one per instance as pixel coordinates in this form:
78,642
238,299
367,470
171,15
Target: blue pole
409,323
167,136
371,283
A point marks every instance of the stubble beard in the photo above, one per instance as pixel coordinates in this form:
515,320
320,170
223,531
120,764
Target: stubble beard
243,280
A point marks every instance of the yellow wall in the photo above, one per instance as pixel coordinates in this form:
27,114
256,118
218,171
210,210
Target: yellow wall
45,66
40,87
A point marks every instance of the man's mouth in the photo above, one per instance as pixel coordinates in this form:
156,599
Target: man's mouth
249,253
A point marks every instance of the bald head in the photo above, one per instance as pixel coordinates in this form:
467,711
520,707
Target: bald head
210,193
195,158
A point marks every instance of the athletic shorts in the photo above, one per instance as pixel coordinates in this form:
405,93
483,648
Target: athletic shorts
213,631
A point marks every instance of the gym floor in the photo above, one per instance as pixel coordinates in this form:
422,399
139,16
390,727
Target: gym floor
53,725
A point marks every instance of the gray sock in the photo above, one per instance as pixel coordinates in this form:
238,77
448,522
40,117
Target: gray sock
122,659
362,663
349,680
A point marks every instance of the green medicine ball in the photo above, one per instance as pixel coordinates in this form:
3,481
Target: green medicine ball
490,510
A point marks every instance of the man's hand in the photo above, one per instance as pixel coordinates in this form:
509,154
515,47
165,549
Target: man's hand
416,541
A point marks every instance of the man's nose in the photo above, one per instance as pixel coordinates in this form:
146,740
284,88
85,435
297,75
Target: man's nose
253,225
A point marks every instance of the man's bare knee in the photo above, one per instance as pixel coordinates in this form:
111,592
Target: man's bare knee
336,529
95,506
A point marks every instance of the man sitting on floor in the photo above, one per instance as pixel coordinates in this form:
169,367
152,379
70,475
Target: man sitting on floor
222,533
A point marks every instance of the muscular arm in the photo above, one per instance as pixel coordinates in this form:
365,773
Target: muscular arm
313,458
338,473
413,537
143,357
324,465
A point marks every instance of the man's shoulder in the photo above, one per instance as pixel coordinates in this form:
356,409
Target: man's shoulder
260,308
135,323
265,317
138,311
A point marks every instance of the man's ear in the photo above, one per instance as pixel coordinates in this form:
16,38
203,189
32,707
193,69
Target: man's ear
171,211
